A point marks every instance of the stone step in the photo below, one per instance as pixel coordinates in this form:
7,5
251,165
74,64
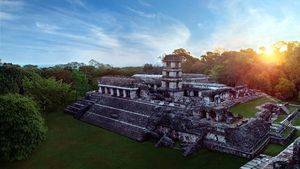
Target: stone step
120,114
129,130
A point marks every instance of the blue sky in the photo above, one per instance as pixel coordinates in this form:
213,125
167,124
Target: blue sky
135,32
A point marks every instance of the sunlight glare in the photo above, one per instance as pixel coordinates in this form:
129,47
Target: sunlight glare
268,55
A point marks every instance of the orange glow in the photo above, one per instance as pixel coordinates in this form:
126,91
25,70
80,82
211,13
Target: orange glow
268,55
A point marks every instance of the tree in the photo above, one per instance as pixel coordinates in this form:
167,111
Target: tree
80,83
182,52
152,69
285,89
49,93
22,127
64,74
10,78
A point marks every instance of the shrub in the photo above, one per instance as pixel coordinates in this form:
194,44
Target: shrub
10,78
49,93
22,127
80,83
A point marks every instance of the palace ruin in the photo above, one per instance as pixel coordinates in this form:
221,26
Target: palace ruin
175,107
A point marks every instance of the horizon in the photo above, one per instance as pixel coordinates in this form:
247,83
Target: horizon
135,32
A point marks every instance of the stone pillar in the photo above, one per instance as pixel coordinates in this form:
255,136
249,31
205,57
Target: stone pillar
163,84
105,90
207,99
100,89
207,115
132,94
124,93
218,116
192,93
118,92
111,91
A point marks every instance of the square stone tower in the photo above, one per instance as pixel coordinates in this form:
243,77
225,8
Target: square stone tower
172,75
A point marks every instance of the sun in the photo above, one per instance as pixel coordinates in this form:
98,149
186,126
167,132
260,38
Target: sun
269,51
268,55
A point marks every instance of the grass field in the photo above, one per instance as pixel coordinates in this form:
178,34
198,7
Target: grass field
296,122
77,145
280,118
274,149
249,109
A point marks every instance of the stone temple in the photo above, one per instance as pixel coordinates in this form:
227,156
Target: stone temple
174,109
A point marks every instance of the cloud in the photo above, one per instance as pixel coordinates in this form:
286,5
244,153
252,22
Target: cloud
141,44
11,4
5,16
8,8
144,3
252,26
141,13
46,27
79,3
127,36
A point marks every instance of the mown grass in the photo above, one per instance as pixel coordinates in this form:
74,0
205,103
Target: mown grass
280,118
77,145
274,149
249,109
296,122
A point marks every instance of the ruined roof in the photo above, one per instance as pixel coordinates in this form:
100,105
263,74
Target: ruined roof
194,75
148,78
119,81
210,92
173,57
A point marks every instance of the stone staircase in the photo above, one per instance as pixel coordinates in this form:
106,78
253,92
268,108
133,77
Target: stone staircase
78,108
123,116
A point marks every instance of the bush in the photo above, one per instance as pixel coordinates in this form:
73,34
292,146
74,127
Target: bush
10,78
22,127
80,83
51,95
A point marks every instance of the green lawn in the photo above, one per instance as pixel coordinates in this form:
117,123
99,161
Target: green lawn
249,109
274,149
74,144
296,122
280,118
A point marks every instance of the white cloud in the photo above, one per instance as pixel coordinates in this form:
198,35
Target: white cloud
79,3
11,4
46,27
5,16
141,13
8,9
144,3
252,27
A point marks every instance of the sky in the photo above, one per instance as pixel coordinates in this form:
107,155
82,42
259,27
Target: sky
135,32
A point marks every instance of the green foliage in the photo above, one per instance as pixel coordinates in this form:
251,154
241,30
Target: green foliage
49,93
80,83
22,127
151,69
64,74
10,78
285,89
